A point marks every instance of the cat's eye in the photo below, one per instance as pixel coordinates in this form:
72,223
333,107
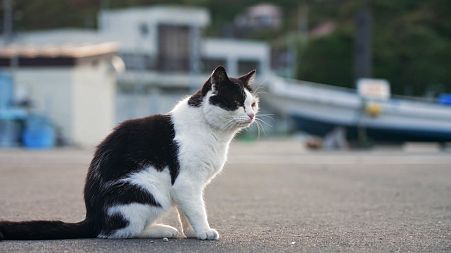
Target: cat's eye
253,104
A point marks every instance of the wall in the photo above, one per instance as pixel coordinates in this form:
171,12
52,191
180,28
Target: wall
93,102
140,105
126,25
235,50
79,100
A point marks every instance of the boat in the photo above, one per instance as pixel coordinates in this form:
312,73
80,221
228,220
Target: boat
318,109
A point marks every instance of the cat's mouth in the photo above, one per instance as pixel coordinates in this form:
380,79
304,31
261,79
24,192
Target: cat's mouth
242,122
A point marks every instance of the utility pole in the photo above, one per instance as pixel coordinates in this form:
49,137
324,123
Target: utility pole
363,60
7,21
362,50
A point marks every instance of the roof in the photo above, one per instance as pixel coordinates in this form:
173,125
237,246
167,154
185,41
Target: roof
59,36
62,50
160,14
54,54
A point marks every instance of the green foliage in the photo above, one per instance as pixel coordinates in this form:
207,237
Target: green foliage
411,46
48,14
328,60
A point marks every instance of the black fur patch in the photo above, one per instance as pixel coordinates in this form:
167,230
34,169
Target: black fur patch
40,230
113,223
196,99
229,95
126,193
137,144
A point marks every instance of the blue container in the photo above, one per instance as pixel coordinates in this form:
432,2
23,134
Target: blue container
6,90
444,99
9,133
39,133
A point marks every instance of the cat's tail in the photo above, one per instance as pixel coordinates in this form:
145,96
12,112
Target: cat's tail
45,230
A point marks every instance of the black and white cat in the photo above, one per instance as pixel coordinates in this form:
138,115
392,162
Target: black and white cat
148,165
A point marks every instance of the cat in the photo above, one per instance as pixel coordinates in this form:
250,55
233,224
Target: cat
148,165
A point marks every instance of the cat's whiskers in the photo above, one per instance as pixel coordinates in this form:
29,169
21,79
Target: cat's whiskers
259,88
260,92
257,124
260,127
268,115
262,121
229,124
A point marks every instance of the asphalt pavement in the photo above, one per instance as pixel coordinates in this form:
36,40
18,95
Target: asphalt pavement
272,196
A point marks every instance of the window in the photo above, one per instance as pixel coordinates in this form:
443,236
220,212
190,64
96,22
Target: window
174,50
245,66
134,61
143,29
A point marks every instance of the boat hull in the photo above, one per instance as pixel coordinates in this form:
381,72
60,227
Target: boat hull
318,109
321,128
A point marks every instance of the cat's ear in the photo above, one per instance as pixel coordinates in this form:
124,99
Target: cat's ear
248,78
219,75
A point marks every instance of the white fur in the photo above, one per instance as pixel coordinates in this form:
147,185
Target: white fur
203,135
141,216
138,217
159,231
156,182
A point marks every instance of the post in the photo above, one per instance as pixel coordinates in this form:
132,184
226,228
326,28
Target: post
194,56
7,20
363,58
362,48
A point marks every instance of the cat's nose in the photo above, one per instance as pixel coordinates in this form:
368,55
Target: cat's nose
251,115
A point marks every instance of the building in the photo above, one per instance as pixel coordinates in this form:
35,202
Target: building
167,57
73,85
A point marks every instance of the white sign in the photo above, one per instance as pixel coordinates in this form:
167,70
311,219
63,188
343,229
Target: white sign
373,88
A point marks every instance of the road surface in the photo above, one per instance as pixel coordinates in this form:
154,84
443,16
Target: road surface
272,196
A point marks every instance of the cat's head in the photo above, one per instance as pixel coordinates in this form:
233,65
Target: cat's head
227,103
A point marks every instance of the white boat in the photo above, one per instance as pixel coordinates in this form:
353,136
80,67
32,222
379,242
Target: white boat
318,109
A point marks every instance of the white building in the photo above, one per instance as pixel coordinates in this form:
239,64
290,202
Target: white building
166,56
239,56
73,85
168,39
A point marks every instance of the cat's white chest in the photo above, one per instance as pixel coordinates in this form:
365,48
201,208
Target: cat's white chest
218,156
202,150
202,155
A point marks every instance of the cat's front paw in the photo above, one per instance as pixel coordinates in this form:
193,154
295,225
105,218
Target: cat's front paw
209,234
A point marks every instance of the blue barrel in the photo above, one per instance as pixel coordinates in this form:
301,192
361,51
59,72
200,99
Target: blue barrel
39,133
